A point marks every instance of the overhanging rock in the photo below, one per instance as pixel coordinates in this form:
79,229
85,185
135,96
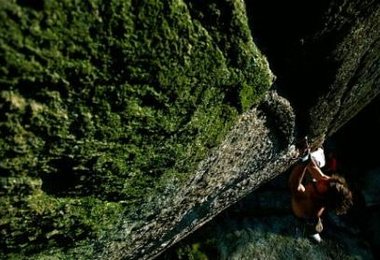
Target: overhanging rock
249,156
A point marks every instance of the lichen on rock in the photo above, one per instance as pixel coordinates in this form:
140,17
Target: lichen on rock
107,105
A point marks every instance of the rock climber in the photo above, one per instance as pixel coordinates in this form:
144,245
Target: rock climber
313,192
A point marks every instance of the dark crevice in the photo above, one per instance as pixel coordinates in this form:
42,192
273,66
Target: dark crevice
358,137
284,34
37,5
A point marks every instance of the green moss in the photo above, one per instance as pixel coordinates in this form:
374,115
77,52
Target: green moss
109,103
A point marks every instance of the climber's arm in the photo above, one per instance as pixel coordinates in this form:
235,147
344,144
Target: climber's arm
316,172
295,179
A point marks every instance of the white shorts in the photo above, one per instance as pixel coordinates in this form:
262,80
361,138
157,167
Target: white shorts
318,157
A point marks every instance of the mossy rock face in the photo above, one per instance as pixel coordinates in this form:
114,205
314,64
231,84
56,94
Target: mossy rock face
107,105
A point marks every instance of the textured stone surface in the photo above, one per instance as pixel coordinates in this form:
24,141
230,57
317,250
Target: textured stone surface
249,156
107,107
126,125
